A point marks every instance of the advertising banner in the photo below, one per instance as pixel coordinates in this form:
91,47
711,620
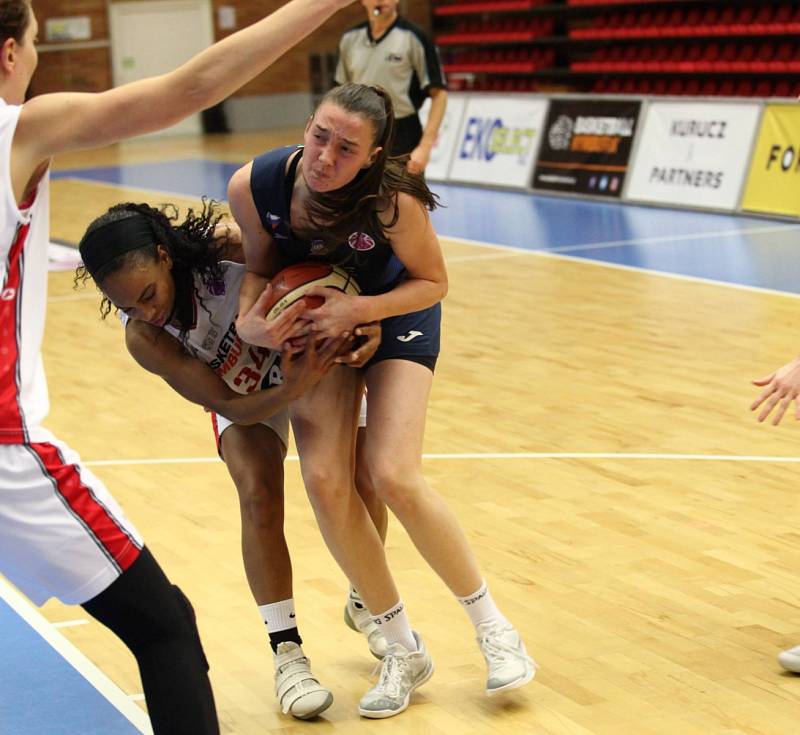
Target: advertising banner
442,152
497,140
693,154
773,183
585,147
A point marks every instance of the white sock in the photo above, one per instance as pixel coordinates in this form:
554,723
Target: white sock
278,616
480,607
395,626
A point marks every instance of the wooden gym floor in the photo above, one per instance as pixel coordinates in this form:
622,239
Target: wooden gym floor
590,427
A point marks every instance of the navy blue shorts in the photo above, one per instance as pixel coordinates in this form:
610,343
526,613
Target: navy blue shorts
413,337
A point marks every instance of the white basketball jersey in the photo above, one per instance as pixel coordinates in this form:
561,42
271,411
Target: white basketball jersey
24,238
213,338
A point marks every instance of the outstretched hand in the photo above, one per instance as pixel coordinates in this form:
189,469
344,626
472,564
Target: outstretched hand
780,389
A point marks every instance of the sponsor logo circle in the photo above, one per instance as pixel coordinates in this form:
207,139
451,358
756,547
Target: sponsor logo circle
360,241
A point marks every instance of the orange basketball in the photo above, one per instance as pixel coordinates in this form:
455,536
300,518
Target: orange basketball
291,283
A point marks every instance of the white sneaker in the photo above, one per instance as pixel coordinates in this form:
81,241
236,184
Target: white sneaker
401,673
298,691
790,660
510,666
360,620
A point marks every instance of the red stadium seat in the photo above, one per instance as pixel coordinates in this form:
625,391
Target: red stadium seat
709,88
692,87
692,22
725,20
659,86
762,19
675,87
763,88
744,19
727,87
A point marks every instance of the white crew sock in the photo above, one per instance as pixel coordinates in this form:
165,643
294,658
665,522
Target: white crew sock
480,607
395,626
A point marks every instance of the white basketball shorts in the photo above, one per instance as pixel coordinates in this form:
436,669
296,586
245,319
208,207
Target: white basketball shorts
279,423
61,533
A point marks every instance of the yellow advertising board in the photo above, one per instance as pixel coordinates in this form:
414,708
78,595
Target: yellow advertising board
773,182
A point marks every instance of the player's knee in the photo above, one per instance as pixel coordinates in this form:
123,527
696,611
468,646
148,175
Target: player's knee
174,620
330,501
261,504
326,484
396,485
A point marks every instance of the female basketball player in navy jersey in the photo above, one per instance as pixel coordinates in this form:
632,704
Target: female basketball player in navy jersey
177,289
340,198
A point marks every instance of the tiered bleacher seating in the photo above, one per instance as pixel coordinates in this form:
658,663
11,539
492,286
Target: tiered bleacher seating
508,30
749,58
747,47
741,21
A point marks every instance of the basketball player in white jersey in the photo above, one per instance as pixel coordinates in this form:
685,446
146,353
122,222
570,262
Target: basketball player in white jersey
176,287
61,533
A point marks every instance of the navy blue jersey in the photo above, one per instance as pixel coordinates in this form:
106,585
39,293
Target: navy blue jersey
374,266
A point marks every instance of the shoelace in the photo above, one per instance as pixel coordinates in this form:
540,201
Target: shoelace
393,671
498,650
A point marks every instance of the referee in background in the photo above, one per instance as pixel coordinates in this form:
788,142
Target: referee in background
389,51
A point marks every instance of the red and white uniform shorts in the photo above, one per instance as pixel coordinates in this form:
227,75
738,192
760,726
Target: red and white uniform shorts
61,533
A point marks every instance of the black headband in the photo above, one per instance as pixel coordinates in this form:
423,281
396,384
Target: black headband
105,243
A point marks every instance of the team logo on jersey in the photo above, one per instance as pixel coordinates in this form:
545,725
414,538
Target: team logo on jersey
360,241
394,58
317,245
277,224
8,294
214,285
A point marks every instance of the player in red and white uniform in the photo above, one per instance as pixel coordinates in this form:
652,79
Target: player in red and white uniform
184,280
61,533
